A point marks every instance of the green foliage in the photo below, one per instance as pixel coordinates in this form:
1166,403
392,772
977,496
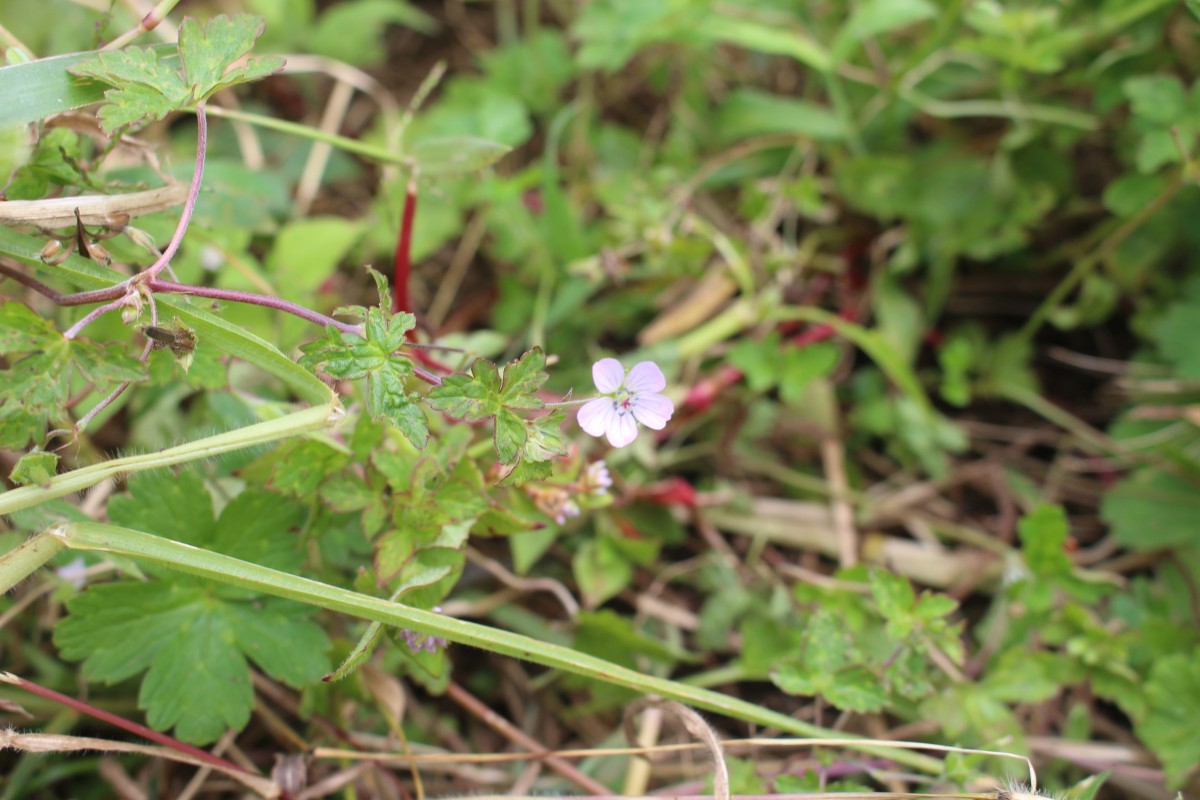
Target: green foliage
944,183
192,639
43,365
372,355
36,466
1173,693
146,86
484,394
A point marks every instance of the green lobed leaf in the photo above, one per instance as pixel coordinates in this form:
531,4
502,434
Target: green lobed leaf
893,595
176,506
144,86
41,367
148,86
349,356
36,466
857,689
197,684
191,639
209,53
1169,727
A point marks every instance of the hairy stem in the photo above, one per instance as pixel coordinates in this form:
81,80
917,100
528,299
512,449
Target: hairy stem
144,547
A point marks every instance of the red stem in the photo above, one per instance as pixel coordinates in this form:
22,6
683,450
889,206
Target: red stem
402,260
127,725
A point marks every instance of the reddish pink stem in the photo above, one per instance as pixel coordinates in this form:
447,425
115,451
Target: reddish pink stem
402,259
127,725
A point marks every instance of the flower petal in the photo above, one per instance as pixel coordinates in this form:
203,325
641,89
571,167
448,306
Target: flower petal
596,416
653,410
608,375
645,377
621,430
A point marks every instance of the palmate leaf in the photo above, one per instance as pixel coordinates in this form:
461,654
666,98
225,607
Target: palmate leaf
146,86
373,357
193,639
485,394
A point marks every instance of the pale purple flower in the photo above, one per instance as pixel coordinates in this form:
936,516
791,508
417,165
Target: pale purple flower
626,400
596,479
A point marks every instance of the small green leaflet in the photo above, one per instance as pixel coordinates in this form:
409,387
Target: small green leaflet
36,466
38,383
484,394
193,639
826,665
146,86
349,356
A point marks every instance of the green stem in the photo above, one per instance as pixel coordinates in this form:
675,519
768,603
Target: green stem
307,132
144,547
17,565
311,419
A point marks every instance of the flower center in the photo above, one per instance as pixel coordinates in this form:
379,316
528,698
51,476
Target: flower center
622,401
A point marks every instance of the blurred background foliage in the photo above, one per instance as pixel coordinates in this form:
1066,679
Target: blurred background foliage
995,202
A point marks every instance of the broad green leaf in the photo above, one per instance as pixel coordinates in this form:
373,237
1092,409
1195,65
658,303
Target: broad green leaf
752,112
765,37
22,329
145,87
1169,727
486,394
353,31
1176,334
802,365
1151,509
456,155
41,367
176,506
1158,99
601,571
857,689
876,17
197,684
373,357
210,52
307,251
893,595
300,467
